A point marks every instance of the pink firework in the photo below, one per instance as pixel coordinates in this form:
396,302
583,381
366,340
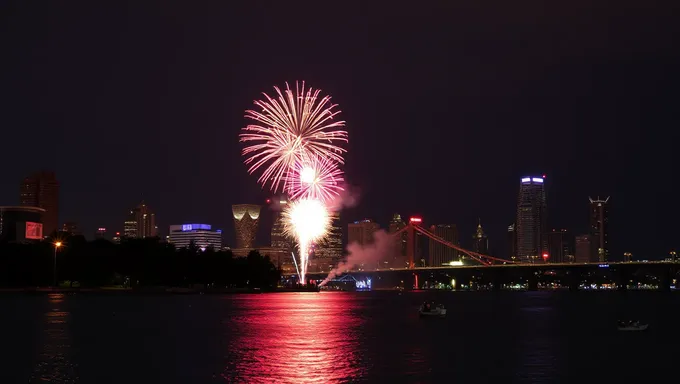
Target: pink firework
288,128
315,178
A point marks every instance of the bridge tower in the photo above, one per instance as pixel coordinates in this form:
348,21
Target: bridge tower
411,243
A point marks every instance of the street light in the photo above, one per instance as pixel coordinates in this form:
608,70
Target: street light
54,271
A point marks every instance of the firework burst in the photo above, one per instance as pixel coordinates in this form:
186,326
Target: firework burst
308,221
315,178
288,128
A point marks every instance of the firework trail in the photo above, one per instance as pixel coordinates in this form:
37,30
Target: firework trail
288,128
315,177
308,221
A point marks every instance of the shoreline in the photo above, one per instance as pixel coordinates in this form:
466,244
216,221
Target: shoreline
153,290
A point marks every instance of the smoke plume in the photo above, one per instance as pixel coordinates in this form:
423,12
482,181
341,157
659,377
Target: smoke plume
383,246
348,198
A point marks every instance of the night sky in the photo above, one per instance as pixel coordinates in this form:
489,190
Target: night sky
448,104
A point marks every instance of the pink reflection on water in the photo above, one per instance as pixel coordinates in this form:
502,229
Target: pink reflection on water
294,338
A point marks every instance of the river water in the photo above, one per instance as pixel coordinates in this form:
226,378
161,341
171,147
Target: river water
511,337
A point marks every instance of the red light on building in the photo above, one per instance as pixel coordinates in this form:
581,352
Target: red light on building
545,256
268,201
544,175
117,233
416,220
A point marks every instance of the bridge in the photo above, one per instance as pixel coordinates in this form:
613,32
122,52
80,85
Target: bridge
495,273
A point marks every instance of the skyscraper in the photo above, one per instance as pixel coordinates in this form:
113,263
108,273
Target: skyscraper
512,243
398,259
531,220
246,218
41,190
481,241
140,223
560,246
279,239
440,253
599,227
328,251
584,249
361,232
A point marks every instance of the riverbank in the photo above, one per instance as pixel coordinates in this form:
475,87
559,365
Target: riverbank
152,290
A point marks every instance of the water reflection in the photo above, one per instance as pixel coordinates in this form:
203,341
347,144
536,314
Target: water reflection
300,338
54,361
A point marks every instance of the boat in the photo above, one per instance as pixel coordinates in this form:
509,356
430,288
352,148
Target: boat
632,326
432,310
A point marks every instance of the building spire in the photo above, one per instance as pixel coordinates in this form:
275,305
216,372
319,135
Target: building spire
480,231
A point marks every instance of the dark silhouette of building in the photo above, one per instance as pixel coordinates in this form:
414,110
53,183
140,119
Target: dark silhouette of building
599,227
100,233
480,240
140,223
584,249
399,258
246,219
440,254
512,242
71,228
560,249
41,190
531,220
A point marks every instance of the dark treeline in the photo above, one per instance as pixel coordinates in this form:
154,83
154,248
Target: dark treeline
138,262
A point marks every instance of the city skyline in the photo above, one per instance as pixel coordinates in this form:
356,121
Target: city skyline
566,250
442,132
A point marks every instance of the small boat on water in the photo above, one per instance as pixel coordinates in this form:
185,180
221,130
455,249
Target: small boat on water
429,309
632,326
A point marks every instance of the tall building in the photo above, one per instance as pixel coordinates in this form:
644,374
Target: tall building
279,239
140,223
246,218
440,253
599,227
399,258
481,241
560,249
328,251
41,190
201,235
512,243
584,249
531,220
361,232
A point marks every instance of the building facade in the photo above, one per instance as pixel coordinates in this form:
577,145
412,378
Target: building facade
584,249
201,235
512,242
327,253
41,190
599,227
560,247
440,254
361,232
532,210
140,223
19,224
398,260
246,219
